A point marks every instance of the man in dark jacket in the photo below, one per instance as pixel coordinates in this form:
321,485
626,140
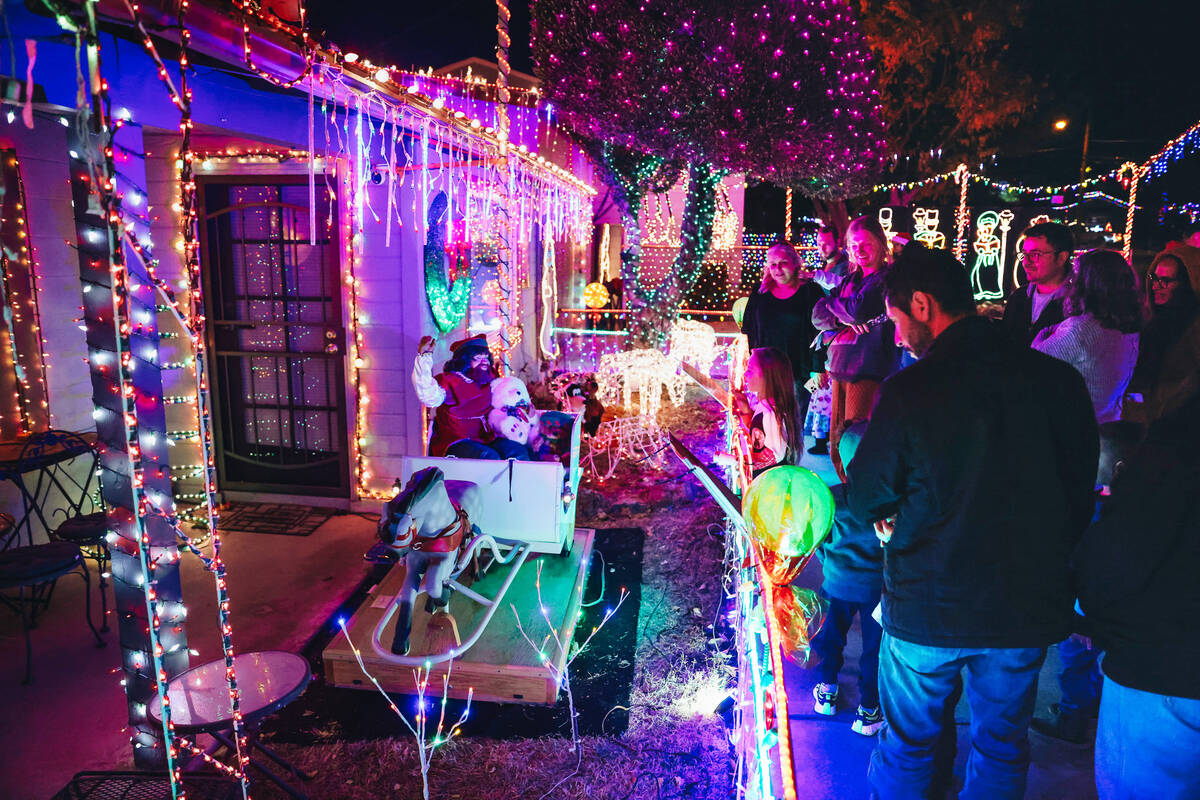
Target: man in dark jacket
1045,252
977,468
1136,569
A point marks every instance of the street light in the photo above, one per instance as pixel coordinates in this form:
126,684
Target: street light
1060,124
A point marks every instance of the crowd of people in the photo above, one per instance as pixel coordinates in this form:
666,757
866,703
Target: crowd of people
1006,485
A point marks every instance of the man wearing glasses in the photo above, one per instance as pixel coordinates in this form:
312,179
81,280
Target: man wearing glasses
1045,252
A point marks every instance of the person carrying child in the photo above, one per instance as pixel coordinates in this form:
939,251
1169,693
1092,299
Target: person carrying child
767,408
852,565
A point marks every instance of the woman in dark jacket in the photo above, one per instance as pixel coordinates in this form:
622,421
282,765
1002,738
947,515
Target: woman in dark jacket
1136,575
779,315
862,346
1171,291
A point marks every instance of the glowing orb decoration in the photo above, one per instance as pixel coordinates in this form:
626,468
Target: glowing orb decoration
788,511
595,295
739,310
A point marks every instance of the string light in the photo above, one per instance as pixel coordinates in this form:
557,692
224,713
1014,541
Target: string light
546,341
1134,174
787,214
509,306
1182,145
193,320
638,438
604,254
694,343
96,203
646,372
31,398
961,215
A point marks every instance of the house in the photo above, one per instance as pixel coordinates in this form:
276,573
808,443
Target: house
310,330
222,243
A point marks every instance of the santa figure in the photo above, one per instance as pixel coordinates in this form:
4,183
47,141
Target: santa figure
462,393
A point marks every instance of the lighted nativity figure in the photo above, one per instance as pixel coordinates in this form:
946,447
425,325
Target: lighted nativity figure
987,272
1006,221
461,394
925,228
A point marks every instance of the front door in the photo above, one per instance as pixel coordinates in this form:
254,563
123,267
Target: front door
274,305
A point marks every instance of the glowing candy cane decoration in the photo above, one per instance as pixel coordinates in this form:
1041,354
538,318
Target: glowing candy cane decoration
1135,175
961,177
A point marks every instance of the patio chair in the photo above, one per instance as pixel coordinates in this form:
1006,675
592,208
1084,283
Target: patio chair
33,571
59,477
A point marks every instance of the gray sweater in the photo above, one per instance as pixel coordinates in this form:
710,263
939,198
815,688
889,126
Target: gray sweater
1105,357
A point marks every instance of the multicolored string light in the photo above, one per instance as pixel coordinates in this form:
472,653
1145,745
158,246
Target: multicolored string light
195,323
962,216
23,323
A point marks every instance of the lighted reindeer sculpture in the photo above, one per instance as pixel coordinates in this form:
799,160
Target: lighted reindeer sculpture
429,525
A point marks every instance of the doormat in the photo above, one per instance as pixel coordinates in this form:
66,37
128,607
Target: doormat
601,678
285,520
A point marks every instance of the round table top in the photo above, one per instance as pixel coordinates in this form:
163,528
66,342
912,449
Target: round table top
267,681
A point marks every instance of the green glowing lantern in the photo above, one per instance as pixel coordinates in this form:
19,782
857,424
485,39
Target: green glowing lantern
739,310
788,512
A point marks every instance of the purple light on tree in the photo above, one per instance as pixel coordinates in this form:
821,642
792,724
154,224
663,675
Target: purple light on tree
781,91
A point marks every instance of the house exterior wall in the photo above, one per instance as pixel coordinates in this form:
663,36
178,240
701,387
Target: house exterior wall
42,153
229,109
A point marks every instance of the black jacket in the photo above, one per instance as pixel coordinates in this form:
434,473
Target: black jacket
1137,564
851,558
785,325
985,452
1018,315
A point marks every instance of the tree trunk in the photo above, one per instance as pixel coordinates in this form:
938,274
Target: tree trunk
834,214
653,309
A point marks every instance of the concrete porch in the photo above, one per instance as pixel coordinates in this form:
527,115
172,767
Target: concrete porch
281,589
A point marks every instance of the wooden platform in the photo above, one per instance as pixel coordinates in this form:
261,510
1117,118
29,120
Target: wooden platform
501,667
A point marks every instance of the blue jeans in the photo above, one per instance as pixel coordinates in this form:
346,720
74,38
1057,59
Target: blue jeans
1078,678
1147,745
919,686
830,642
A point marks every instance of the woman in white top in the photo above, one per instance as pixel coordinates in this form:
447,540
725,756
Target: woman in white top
1099,335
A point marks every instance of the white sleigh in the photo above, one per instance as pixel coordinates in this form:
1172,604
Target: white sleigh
526,507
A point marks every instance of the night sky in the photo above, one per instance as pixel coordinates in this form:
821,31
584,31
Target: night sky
1131,66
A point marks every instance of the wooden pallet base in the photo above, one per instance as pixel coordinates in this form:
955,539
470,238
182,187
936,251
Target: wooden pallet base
502,667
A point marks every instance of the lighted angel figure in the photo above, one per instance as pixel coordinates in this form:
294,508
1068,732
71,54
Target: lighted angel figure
986,274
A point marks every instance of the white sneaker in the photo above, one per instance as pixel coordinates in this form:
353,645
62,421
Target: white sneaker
868,721
826,695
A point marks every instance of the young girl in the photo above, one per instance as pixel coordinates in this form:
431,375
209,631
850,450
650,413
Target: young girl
767,407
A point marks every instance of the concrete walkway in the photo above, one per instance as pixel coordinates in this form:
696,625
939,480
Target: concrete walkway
281,588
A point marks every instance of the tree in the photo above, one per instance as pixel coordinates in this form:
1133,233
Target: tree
782,91
946,77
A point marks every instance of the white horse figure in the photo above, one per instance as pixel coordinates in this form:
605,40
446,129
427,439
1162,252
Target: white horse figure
429,525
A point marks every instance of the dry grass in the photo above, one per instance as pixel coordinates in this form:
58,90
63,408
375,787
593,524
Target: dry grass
674,746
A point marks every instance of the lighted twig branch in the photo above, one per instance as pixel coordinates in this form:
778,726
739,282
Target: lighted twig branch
568,650
419,727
